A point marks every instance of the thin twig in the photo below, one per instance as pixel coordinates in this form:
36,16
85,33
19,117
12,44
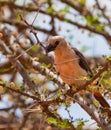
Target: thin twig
106,66
33,32
106,35
103,12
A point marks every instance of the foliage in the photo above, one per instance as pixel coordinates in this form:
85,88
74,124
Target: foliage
30,101
58,123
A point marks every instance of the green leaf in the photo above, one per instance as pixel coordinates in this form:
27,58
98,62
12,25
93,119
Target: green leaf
96,103
66,20
1,82
63,124
43,65
5,70
17,14
99,27
73,0
65,9
58,123
67,103
91,19
52,120
80,124
49,77
82,2
98,129
50,10
34,48
59,93
42,57
18,18
30,5
10,0
108,58
3,0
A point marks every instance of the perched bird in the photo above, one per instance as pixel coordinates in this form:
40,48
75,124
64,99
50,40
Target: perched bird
71,64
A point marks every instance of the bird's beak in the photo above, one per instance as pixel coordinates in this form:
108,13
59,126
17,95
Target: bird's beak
50,48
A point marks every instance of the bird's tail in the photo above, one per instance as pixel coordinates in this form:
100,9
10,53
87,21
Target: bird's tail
105,106
98,96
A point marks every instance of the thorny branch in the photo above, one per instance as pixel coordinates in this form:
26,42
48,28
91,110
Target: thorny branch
105,68
44,71
28,81
78,8
15,48
103,12
53,15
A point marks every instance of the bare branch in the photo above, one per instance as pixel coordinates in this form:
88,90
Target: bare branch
103,12
36,65
86,27
105,68
18,66
78,8
22,26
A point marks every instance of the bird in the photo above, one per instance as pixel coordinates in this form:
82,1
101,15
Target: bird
71,65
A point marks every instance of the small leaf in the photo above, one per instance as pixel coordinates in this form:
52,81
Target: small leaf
1,82
82,2
4,70
108,58
18,18
59,93
34,48
90,19
42,57
80,124
49,77
52,120
43,65
99,27
66,20
30,5
63,124
59,123
96,103
50,10
65,9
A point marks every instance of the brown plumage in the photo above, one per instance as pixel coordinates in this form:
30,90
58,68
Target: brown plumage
71,64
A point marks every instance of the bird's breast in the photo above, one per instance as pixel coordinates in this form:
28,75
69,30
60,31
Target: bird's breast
70,72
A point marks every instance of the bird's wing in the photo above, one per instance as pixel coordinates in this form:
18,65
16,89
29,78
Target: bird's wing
82,61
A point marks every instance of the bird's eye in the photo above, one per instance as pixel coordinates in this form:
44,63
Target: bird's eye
52,47
56,43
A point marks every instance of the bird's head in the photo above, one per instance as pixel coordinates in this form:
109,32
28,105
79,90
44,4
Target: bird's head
55,43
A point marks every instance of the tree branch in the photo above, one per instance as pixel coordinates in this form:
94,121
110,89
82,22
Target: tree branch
22,26
105,68
37,66
18,66
86,27
103,12
82,11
